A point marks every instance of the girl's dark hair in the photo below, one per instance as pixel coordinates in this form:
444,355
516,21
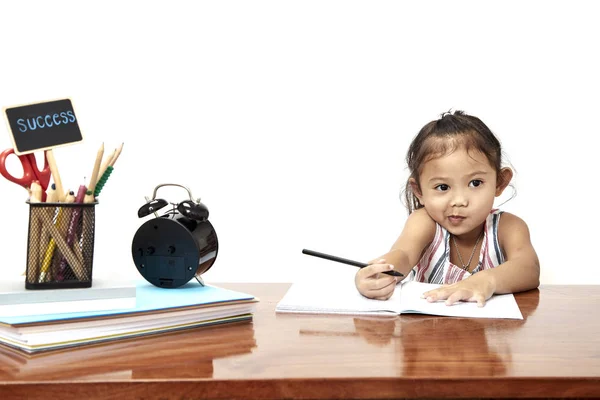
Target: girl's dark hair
466,130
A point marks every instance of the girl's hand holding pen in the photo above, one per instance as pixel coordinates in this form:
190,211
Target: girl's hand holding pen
375,280
371,281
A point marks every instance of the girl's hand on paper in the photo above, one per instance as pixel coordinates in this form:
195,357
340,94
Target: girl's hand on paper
372,283
477,288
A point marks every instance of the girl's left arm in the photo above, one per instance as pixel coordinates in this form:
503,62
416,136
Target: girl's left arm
519,272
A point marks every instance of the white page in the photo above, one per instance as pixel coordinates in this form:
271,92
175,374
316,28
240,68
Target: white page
335,296
498,306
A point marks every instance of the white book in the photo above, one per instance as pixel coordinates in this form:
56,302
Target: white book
104,294
340,296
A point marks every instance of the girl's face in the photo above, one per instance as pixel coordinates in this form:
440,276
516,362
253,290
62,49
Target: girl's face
458,190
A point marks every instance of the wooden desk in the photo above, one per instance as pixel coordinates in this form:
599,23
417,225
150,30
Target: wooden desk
553,352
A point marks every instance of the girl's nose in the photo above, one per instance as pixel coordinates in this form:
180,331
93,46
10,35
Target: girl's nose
459,200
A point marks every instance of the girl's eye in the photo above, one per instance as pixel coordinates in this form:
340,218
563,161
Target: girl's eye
475,183
443,187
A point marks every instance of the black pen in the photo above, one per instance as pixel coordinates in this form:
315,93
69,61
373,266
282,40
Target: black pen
345,261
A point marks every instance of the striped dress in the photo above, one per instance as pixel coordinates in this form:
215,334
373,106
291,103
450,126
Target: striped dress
435,265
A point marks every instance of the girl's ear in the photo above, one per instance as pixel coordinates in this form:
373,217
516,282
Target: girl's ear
503,179
414,186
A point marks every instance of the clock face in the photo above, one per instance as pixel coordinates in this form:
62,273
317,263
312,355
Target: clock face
169,251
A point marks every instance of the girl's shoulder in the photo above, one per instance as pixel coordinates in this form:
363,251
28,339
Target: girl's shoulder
421,215
509,218
509,225
420,221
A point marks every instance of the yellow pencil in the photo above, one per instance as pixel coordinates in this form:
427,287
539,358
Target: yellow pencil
49,251
58,225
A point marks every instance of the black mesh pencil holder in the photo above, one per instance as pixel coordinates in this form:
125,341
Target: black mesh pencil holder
60,245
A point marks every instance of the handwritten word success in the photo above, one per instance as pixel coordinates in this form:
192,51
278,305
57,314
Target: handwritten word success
46,121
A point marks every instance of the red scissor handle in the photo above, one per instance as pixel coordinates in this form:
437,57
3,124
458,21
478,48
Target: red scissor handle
28,173
30,170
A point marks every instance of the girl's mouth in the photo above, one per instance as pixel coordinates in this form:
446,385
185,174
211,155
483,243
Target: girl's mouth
456,219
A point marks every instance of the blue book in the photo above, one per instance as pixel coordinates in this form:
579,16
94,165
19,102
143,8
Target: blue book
149,298
104,294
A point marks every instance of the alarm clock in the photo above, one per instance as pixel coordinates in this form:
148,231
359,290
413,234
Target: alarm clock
171,249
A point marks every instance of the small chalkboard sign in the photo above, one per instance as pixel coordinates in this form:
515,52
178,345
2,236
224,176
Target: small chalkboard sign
42,126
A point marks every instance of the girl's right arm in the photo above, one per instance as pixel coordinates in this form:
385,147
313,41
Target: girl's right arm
417,234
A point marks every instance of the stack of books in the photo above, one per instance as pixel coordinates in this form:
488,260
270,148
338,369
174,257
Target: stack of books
156,310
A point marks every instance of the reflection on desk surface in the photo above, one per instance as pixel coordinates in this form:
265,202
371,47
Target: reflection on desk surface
430,346
437,346
447,348
183,354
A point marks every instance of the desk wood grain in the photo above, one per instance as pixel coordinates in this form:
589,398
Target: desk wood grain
553,352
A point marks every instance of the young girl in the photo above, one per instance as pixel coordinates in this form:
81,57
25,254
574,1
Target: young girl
456,172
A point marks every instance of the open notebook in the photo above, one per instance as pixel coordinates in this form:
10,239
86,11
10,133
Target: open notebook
339,296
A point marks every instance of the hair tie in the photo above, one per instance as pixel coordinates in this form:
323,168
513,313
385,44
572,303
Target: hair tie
449,112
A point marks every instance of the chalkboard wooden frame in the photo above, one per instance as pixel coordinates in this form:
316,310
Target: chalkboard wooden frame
42,126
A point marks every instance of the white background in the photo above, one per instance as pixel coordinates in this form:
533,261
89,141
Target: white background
291,120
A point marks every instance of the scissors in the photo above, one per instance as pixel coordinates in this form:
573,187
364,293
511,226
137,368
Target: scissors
31,171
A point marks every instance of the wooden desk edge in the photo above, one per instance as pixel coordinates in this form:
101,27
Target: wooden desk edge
337,388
